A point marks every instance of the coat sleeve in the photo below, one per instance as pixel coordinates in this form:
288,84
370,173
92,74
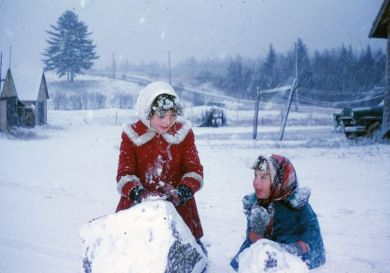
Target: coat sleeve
312,236
126,175
191,166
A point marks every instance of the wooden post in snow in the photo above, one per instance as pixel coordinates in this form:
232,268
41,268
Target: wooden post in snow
256,116
293,87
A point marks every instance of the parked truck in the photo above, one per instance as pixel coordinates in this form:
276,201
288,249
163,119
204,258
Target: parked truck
362,121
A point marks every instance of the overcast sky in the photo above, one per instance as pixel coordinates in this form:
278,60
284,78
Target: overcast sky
145,30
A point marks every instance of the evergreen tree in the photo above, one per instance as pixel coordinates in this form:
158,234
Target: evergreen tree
234,77
269,73
379,67
368,62
266,73
70,51
346,69
304,66
286,67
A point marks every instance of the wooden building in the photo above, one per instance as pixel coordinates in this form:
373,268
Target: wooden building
26,111
381,29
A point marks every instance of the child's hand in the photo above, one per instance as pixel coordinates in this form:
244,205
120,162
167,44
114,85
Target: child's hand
247,203
169,191
139,194
145,195
166,188
178,196
298,248
259,219
254,237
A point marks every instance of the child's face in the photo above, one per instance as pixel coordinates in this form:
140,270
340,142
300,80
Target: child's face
262,184
162,123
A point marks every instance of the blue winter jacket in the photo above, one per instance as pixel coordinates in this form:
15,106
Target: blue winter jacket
294,220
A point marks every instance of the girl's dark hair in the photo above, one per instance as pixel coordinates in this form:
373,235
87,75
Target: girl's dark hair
164,103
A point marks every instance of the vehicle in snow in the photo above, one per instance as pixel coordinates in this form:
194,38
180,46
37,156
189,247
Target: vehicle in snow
214,116
362,121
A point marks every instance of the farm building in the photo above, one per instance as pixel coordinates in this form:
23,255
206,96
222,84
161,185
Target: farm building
23,104
381,29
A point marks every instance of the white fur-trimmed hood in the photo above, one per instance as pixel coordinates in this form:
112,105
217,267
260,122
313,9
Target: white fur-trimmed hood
146,97
175,138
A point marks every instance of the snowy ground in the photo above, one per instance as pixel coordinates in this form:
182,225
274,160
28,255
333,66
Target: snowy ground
58,177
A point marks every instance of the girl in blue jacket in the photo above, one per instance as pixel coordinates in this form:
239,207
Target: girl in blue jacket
279,210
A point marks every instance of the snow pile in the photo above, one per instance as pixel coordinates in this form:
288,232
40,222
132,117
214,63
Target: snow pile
149,237
267,256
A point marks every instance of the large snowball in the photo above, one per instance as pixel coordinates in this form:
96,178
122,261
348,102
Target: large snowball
148,238
268,256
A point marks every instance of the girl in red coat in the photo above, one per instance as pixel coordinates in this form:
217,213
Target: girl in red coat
158,156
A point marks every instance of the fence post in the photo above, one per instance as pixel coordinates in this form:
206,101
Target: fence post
256,116
293,87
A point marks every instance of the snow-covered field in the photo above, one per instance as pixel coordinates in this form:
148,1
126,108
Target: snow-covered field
55,178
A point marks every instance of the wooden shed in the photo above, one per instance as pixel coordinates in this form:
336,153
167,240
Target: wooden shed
18,108
381,29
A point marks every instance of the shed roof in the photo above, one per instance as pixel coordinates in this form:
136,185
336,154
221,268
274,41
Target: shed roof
43,93
382,22
9,86
27,82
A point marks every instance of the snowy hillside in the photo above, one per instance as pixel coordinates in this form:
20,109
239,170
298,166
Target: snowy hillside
56,178
90,92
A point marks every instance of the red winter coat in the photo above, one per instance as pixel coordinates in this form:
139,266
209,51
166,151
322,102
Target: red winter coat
169,157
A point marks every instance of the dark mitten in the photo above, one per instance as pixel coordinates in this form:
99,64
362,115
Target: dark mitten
185,194
247,202
136,193
259,219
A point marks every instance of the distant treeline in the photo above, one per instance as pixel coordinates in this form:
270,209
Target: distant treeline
340,71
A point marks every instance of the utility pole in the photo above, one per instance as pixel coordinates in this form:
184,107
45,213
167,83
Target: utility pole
113,65
296,77
10,56
169,68
1,68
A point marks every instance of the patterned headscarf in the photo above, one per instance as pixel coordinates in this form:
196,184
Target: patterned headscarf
284,182
283,177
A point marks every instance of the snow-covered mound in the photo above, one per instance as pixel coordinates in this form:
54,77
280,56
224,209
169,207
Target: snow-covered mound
150,237
267,256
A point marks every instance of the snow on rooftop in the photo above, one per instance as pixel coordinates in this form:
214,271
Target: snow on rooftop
27,82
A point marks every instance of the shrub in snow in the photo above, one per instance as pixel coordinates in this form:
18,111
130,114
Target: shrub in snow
122,100
149,237
67,100
268,256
